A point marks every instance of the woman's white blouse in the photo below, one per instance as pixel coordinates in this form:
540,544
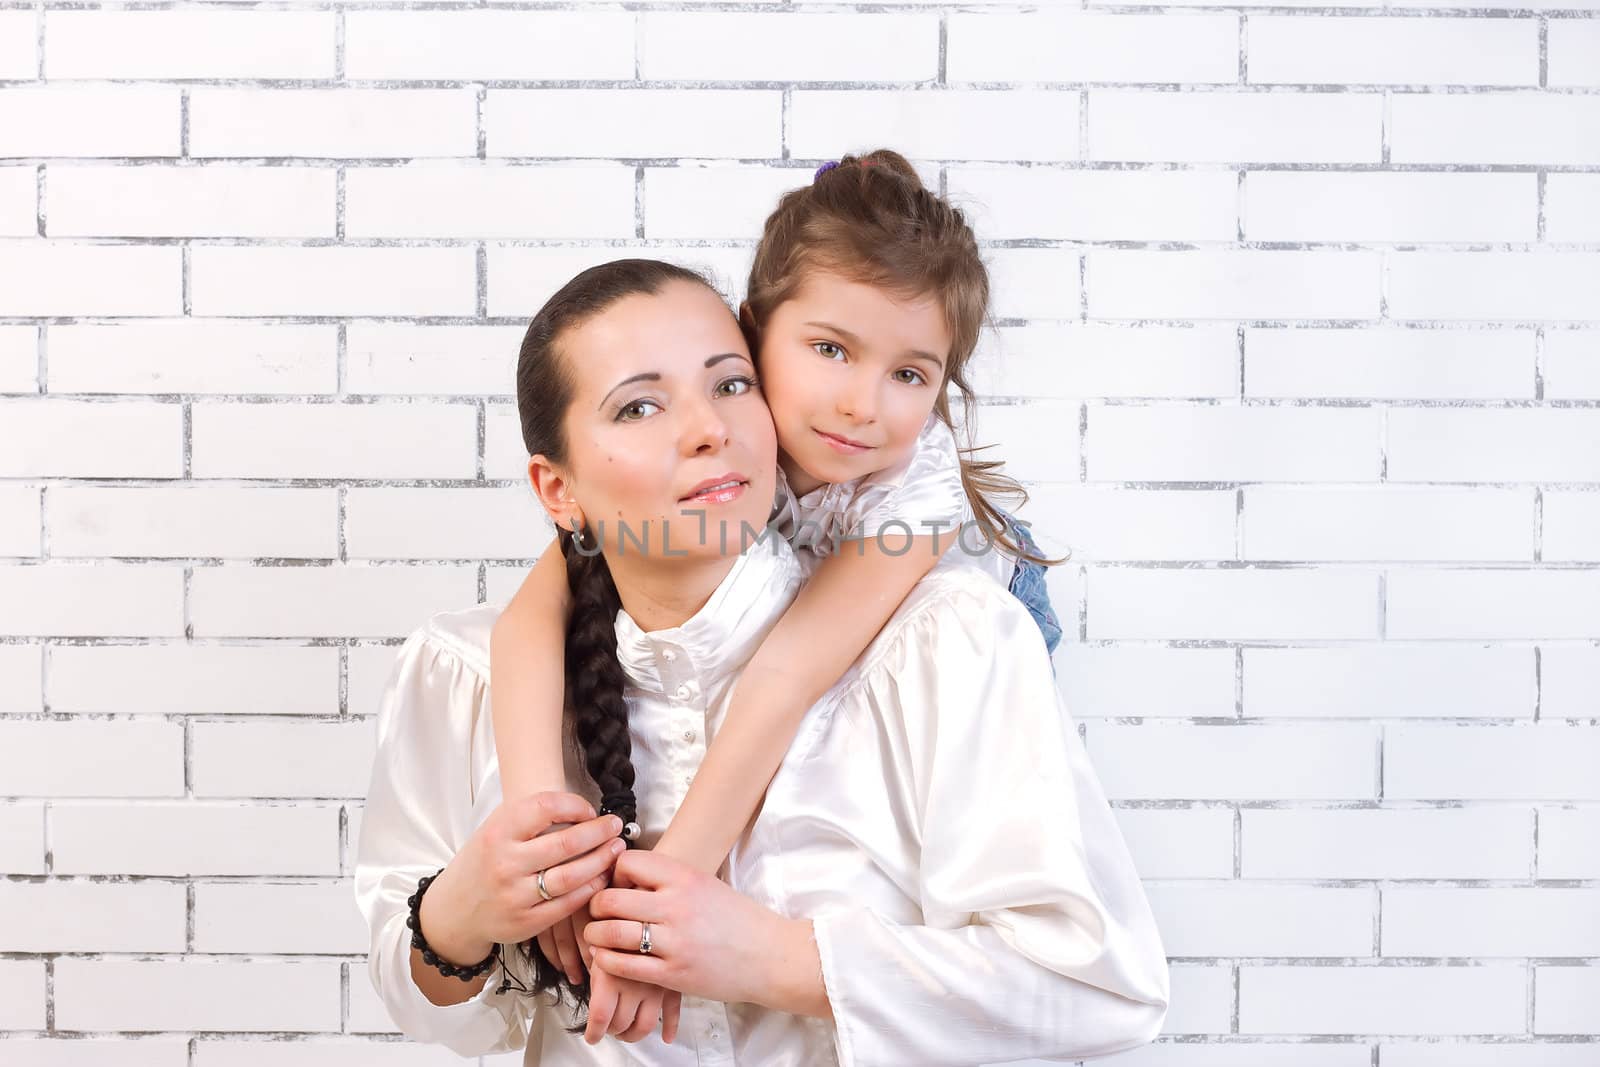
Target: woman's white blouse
936,817
923,494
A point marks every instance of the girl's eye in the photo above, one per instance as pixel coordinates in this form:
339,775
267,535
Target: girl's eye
742,384
915,377
630,412
826,349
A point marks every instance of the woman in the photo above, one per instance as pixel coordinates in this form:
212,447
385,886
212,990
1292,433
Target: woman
934,877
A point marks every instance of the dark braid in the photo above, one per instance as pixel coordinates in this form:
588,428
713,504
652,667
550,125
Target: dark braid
595,707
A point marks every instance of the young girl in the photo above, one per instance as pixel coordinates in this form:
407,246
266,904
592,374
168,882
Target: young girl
865,301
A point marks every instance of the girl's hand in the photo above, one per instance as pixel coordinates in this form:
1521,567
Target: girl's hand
489,893
707,939
629,1009
560,942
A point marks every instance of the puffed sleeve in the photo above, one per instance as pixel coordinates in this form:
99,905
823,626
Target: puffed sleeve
418,815
1036,938
925,493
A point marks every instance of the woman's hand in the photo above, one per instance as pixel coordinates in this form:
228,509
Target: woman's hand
489,893
707,940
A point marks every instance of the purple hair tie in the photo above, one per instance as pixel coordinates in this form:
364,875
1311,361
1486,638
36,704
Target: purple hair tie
824,169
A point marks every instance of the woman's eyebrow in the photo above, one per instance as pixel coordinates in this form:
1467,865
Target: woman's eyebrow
655,376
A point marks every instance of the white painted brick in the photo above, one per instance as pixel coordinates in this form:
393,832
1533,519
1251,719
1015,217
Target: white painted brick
1499,1054
19,190
760,47
1493,604
19,359
396,440
21,839
1387,844
1029,438
1376,50
1097,205
1564,1000
1572,207
21,678
712,202
633,123
63,916
1120,681
1179,842
325,601
66,438
1572,362
1490,445
1494,285
1242,1054
1235,127
1256,920
1495,127
263,918
1403,207
333,281
1182,442
212,201
22,985
1382,1000
1168,760
1429,921
191,356
1387,523
282,759
194,679
1389,363
1326,604
370,667
435,360
19,45
1533,762
443,523
352,835
999,125
170,45
1501,5
49,279
1201,1002
1107,359
1570,682
1569,842
95,1051
1074,46
101,600
454,200
1136,524
489,45
332,123
92,759
1574,53
193,838
91,120
194,521
1389,681
1033,283
19,520
522,279
325,1053
502,583
1571,526
1232,284
141,995
367,1014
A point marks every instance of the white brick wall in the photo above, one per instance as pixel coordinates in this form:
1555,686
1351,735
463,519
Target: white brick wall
1296,341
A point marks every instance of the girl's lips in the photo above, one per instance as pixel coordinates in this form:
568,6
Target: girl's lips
839,444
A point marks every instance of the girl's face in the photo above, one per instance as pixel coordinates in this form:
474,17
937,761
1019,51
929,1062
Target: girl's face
851,373
667,430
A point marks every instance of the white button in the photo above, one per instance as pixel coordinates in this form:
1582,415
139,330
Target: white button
688,735
688,779
668,655
683,691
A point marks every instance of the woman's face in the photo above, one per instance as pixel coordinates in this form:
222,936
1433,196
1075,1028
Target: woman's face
668,435
851,373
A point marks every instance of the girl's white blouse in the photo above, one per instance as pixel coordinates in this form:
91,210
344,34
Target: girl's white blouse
936,818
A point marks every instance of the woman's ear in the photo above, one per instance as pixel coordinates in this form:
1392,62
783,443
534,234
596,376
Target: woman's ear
554,490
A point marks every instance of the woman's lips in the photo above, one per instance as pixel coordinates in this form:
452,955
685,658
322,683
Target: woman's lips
717,494
844,444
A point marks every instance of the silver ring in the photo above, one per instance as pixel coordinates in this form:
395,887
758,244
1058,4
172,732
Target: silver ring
644,939
543,892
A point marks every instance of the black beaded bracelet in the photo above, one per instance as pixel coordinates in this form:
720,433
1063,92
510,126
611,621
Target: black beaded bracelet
430,957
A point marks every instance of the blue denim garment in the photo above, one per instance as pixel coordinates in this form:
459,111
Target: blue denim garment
1028,586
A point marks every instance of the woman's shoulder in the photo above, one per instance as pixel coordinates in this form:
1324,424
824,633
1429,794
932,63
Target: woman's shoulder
463,633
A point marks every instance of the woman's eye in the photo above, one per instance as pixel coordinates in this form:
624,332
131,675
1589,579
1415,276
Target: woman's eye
912,377
827,349
632,411
741,384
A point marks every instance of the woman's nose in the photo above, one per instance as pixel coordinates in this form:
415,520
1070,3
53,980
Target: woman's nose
705,430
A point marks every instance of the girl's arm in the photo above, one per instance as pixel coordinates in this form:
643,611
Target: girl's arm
528,672
832,620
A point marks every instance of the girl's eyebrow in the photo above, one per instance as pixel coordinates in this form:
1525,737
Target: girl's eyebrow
914,353
655,376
